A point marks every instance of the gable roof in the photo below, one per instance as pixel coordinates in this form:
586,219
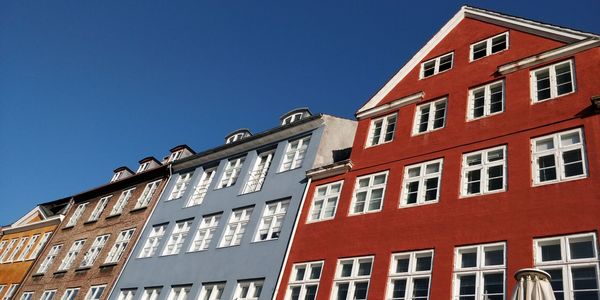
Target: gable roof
554,32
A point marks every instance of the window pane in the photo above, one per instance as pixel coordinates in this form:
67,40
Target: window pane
360,290
547,168
551,252
364,268
495,175
498,43
311,292
431,185
467,285
542,145
478,103
423,263
399,289
479,50
563,79
584,278
570,139
315,272
420,288
468,260
402,265
494,257
543,84
557,283
445,63
346,269
342,292
573,163
300,273
582,249
413,189
493,283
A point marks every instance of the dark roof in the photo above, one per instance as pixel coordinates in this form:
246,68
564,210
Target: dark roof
182,146
148,158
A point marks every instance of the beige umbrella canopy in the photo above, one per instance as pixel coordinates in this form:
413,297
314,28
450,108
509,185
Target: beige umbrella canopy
533,284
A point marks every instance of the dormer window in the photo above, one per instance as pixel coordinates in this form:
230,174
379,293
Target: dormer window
116,176
489,46
178,152
291,119
143,167
175,155
294,116
237,135
437,65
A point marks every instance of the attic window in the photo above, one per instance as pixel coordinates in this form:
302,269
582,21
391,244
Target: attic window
116,176
143,167
489,46
293,118
234,138
437,65
175,155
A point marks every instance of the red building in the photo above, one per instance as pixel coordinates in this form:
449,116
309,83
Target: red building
478,158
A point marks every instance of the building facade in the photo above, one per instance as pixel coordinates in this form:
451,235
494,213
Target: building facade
478,158
22,242
222,227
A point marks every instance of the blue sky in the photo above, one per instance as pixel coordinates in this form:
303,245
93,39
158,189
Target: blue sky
87,86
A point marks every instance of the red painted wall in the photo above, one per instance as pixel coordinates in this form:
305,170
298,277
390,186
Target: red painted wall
516,216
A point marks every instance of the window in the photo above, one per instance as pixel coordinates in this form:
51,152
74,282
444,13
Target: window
205,232
202,187
248,290
479,272
552,81
2,244
99,208
324,202
127,294
76,214
489,46
231,173
153,241
259,172
352,278
45,265
180,292
90,256
410,275
293,118
7,250
270,223
382,130
294,154
40,245
27,296
32,241
486,100
236,137
2,288
177,237
17,249
212,291
119,247
437,65
71,255
116,176
430,116
422,183
70,294
304,281
368,193
147,194
175,155
181,185
11,291
151,293
484,171
121,202
95,292
143,167
558,157
238,220
48,295
572,261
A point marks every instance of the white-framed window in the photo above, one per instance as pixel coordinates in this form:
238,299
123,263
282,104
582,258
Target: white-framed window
17,249
153,241
489,46
259,172
572,261
71,255
40,245
205,232
127,294
437,65
369,192
486,100
151,293
410,275
236,137
484,171
11,291
181,185
116,176
231,172
175,156
45,265
352,277
147,194
143,167
248,289
479,272
2,288
382,130
202,187
270,223
212,291
293,118
27,296
179,292
121,202
294,154
95,292
70,294
177,238
90,256
421,184
236,226
325,199
304,281
119,246
558,157
2,244
48,295
430,116
28,247
552,81
99,208
76,214
7,250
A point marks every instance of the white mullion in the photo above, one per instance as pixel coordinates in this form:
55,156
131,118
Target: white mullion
487,99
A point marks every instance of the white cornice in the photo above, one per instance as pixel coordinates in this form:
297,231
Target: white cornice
329,170
391,106
47,222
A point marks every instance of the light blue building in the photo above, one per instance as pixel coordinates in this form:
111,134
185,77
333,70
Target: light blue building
222,226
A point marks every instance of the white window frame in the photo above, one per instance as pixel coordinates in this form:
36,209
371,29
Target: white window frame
201,187
487,100
294,154
28,247
48,295
7,250
205,233
116,176
558,151
410,275
431,116
553,81
479,270
483,167
153,241
10,293
102,203
368,190
68,260
118,248
76,214
95,292
252,286
118,207
127,294
381,125
212,291
271,223
2,286
354,277
236,227
27,296
175,155
2,244
143,167
305,281
259,172
421,179
146,196
329,198
70,294
94,251
292,118
180,186
177,237
14,253
151,293
49,260
179,292
236,137
436,61
488,46
231,172
40,245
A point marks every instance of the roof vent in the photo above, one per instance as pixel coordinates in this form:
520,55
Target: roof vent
295,115
121,173
237,135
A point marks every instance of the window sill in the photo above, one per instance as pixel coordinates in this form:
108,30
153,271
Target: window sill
483,194
264,241
364,213
60,272
284,171
68,227
81,269
89,222
108,265
37,275
484,117
197,251
165,255
540,184
421,77
138,209
230,246
113,216
418,204
319,221
372,146
483,57
413,134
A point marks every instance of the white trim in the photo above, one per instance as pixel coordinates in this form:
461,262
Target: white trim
416,97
